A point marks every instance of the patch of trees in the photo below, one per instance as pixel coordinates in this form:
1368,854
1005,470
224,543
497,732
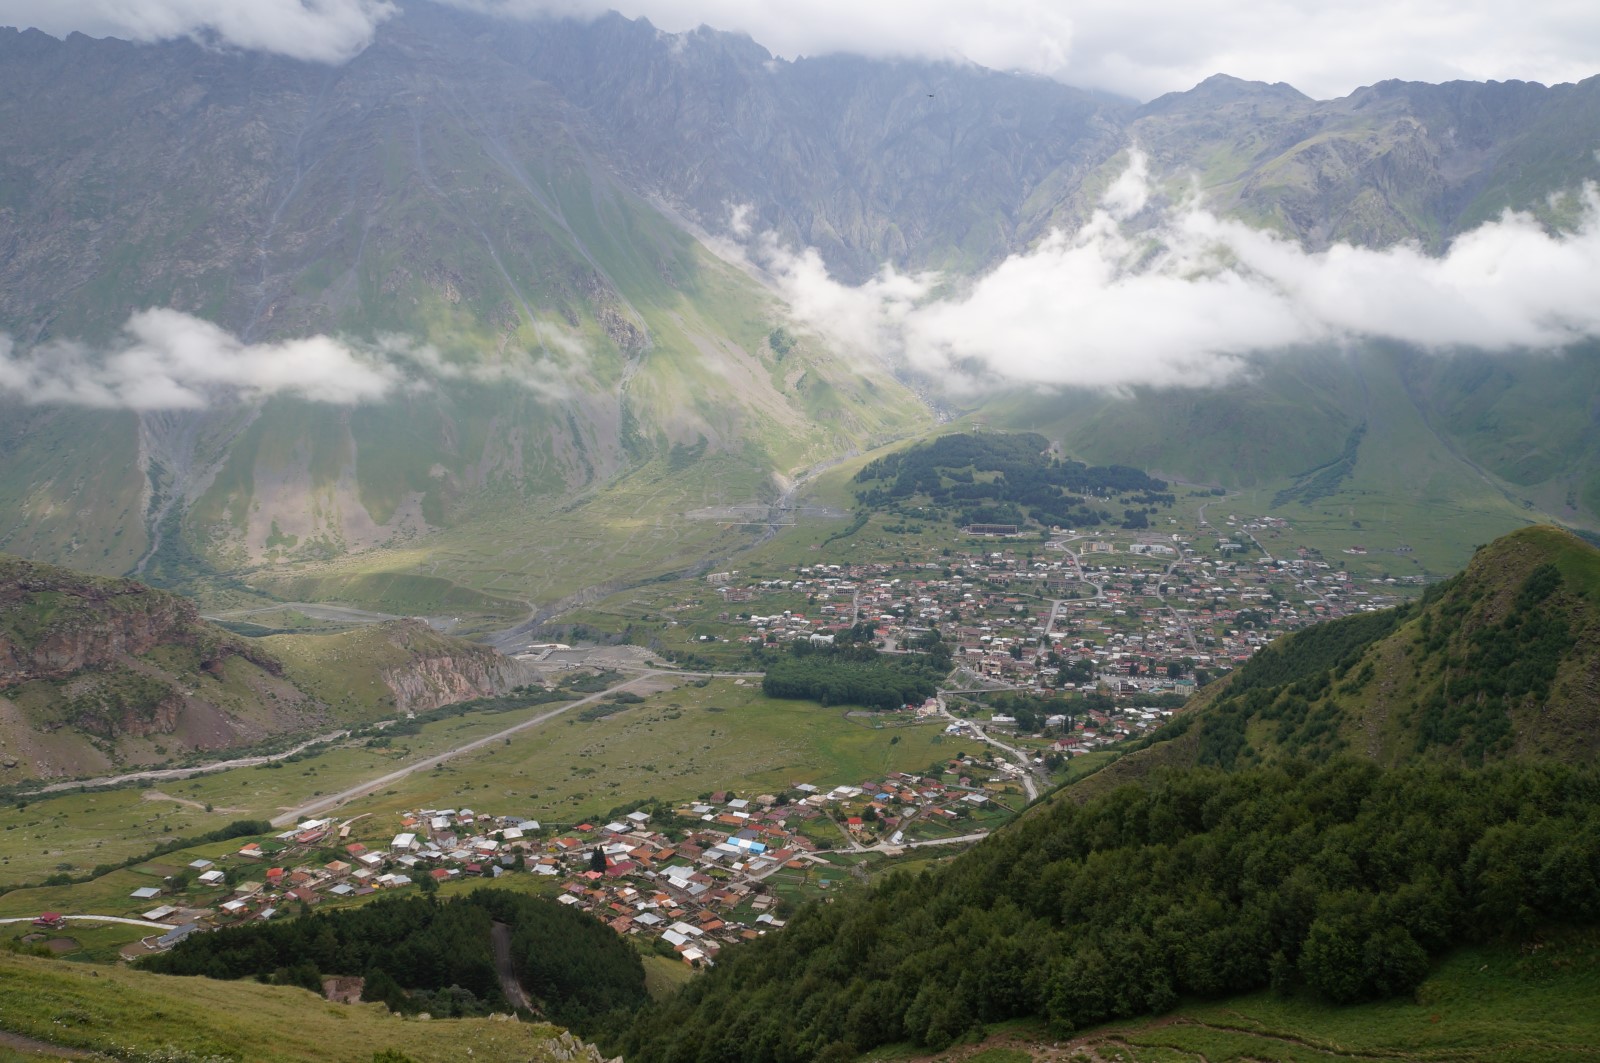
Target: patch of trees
417,954
1486,671
1324,480
1340,881
1002,479
853,673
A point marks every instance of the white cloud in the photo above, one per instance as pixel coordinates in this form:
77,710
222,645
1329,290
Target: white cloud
1140,49
324,31
168,360
1148,47
1191,300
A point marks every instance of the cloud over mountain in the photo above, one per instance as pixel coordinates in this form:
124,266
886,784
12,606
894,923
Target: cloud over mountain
1155,46
168,360
323,31
1141,51
1187,297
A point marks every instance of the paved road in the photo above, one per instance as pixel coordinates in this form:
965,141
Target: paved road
157,774
1030,781
99,919
332,801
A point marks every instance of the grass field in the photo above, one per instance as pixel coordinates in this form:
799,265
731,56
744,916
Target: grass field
676,744
1528,1003
531,553
84,830
147,1018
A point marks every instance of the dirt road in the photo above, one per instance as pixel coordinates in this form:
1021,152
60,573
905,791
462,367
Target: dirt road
507,969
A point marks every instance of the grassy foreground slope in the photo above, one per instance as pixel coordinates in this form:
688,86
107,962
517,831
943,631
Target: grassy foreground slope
132,1015
1495,1004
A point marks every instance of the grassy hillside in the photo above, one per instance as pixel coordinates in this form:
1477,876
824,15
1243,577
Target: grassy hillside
1332,821
99,676
147,1017
1484,1004
1396,449
1345,883
1501,662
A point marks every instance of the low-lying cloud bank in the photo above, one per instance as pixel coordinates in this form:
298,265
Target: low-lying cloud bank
169,360
1188,301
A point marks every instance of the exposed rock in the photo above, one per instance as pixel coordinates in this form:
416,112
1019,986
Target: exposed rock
56,623
439,671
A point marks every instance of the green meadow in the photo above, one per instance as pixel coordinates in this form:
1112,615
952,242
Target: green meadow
676,744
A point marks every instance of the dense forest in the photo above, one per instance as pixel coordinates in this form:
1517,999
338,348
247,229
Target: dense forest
1005,479
1340,881
854,673
420,954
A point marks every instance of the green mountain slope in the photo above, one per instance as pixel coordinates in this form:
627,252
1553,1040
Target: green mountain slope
425,190
516,214
1500,662
147,1016
1341,883
1380,445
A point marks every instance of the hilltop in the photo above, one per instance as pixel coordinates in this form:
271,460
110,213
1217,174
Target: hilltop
1499,662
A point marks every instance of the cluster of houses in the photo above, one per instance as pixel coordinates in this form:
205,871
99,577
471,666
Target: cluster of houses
262,877
1124,618
700,881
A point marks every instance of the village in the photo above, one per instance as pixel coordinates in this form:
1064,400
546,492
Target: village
687,879
1125,615
1061,648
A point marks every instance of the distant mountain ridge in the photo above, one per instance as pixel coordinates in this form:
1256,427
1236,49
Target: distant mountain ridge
527,200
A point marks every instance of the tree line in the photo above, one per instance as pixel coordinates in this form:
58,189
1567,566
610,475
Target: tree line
853,674
420,954
1342,881
952,472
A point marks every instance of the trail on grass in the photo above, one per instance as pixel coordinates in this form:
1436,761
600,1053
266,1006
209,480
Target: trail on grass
156,774
507,970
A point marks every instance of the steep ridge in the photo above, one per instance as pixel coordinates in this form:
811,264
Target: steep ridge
570,332
98,674
1500,662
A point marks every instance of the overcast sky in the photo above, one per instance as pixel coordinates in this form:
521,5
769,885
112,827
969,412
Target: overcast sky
1142,48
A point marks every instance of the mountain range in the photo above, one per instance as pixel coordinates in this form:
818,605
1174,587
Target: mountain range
534,250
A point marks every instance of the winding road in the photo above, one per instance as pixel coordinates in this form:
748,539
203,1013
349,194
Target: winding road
1030,773
98,919
158,774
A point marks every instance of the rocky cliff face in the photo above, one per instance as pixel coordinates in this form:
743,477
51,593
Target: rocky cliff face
55,624
437,672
